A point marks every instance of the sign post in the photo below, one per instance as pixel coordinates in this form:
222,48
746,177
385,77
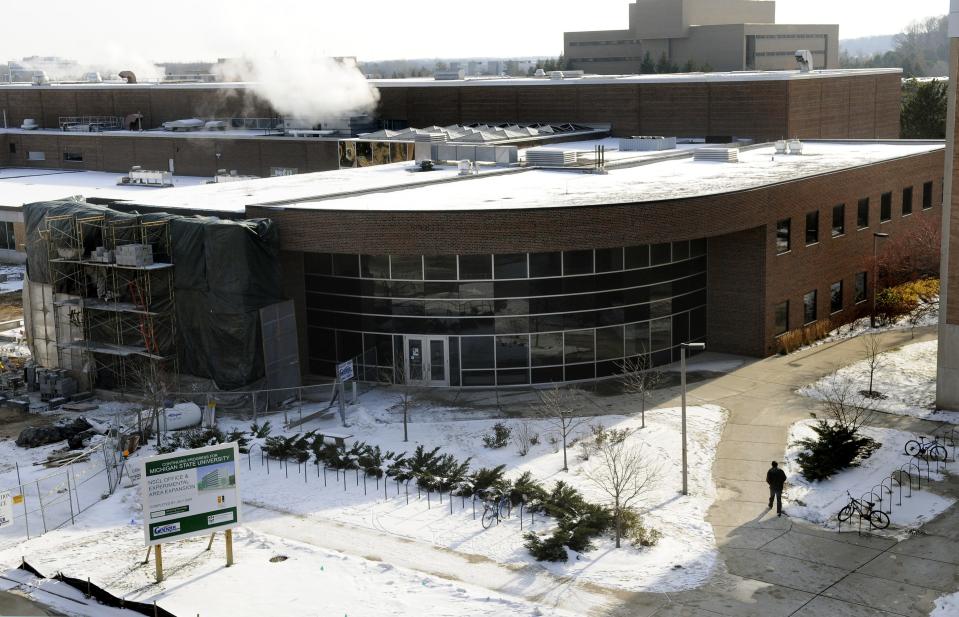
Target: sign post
344,372
190,493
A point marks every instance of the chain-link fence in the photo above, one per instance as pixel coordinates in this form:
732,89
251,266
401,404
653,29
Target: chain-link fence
49,499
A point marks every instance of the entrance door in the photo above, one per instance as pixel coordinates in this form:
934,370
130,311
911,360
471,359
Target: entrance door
426,362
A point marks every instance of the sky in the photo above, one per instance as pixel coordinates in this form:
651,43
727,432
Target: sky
110,31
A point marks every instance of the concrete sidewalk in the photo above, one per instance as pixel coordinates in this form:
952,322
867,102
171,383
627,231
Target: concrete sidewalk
779,567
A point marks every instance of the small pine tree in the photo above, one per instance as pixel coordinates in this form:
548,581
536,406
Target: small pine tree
647,66
689,67
663,65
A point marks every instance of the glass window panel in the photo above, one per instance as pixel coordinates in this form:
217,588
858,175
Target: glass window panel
440,267
577,262
926,195
510,266
348,345
812,227
346,265
609,343
553,374
546,348
781,318
637,257
680,251
454,344
322,342
609,260
637,338
862,288
660,333
809,307
512,351
476,352
838,220
885,207
512,377
478,378
697,247
576,372
907,201
697,324
680,329
375,266
476,290
835,297
414,358
862,213
474,267
660,253
783,236
545,264
406,267
580,346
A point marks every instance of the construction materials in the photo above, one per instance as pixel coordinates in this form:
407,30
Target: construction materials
134,255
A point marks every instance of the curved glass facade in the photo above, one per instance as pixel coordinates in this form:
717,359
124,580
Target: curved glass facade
506,319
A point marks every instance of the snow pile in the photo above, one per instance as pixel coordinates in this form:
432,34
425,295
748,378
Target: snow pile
819,502
683,558
906,376
946,606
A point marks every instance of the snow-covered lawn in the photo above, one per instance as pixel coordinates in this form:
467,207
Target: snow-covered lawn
906,376
819,502
683,558
925,316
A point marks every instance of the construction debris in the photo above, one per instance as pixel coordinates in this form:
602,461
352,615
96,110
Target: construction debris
35,436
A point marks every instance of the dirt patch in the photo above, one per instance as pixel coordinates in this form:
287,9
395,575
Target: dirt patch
13,421
11,306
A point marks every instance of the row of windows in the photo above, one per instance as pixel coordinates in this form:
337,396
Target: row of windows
600,43
503,266
811,303
838,222
522,358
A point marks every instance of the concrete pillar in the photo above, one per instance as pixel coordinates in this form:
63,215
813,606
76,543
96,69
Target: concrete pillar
947,387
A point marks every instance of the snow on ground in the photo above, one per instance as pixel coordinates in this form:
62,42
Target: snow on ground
946,606
819,502
925,317
56,595
683,558
905,375
14,273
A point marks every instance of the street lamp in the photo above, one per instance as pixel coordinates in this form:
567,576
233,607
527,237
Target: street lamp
682,367
876,236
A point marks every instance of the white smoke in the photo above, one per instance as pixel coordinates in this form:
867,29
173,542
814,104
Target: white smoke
309,90
108,66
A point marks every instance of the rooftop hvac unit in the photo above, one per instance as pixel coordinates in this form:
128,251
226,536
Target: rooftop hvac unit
717,155
795,146
646,144
551,158
423,148
780,146
449,75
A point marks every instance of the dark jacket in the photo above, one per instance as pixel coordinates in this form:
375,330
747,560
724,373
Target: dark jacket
776,478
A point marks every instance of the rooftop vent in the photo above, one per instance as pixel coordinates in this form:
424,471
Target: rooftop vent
717,155
542,157
646,143
539,73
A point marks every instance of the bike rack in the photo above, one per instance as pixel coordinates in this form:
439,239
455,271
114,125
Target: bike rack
881,486
898,480
916,460
948,438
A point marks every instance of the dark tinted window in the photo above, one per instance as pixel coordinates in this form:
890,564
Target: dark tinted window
885,207
835,297
782,236
579,346
838,220
406,267
781,318
577,262
637,256
440,267
546,349
375,266
809,307
545,264
477,352
476,267
680,251
862,213
812,227
510,266
512,351
660,254
862,288
926,195
318,263
907,201
609,260
609,343
346,265
660,334
637,338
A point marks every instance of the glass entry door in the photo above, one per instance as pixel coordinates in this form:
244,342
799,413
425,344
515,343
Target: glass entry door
426,361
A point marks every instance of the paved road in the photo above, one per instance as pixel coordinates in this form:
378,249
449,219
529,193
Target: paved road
777,567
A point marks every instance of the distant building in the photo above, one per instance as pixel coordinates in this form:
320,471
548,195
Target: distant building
729,35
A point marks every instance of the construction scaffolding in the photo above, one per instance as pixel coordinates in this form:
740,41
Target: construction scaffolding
115,321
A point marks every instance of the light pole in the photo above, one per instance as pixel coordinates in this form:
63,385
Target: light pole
875,274
682,369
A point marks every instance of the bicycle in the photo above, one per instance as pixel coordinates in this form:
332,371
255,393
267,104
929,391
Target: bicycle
930,449
877,518
494,510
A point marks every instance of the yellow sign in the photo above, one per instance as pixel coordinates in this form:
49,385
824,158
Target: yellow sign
18,499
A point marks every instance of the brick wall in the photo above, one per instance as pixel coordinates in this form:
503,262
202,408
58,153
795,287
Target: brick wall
735,299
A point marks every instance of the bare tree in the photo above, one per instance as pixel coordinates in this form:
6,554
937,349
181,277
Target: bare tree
639,379
525,437
843,403
928,305
154,387
623,472
872,349
405,402
559,407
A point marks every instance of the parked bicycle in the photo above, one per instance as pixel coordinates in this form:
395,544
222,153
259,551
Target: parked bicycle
877,518
929,449
494,510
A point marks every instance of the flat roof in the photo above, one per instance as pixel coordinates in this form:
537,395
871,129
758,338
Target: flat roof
20,186
274,135
662,176
720,76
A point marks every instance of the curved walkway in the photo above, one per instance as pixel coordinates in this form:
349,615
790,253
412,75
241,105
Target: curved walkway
777,567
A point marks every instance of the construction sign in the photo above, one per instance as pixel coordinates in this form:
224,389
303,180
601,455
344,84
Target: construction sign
190,493
6,509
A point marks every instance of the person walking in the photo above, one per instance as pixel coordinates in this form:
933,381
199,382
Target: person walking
776,478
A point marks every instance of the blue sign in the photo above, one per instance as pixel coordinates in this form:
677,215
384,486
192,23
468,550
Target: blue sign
344,370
